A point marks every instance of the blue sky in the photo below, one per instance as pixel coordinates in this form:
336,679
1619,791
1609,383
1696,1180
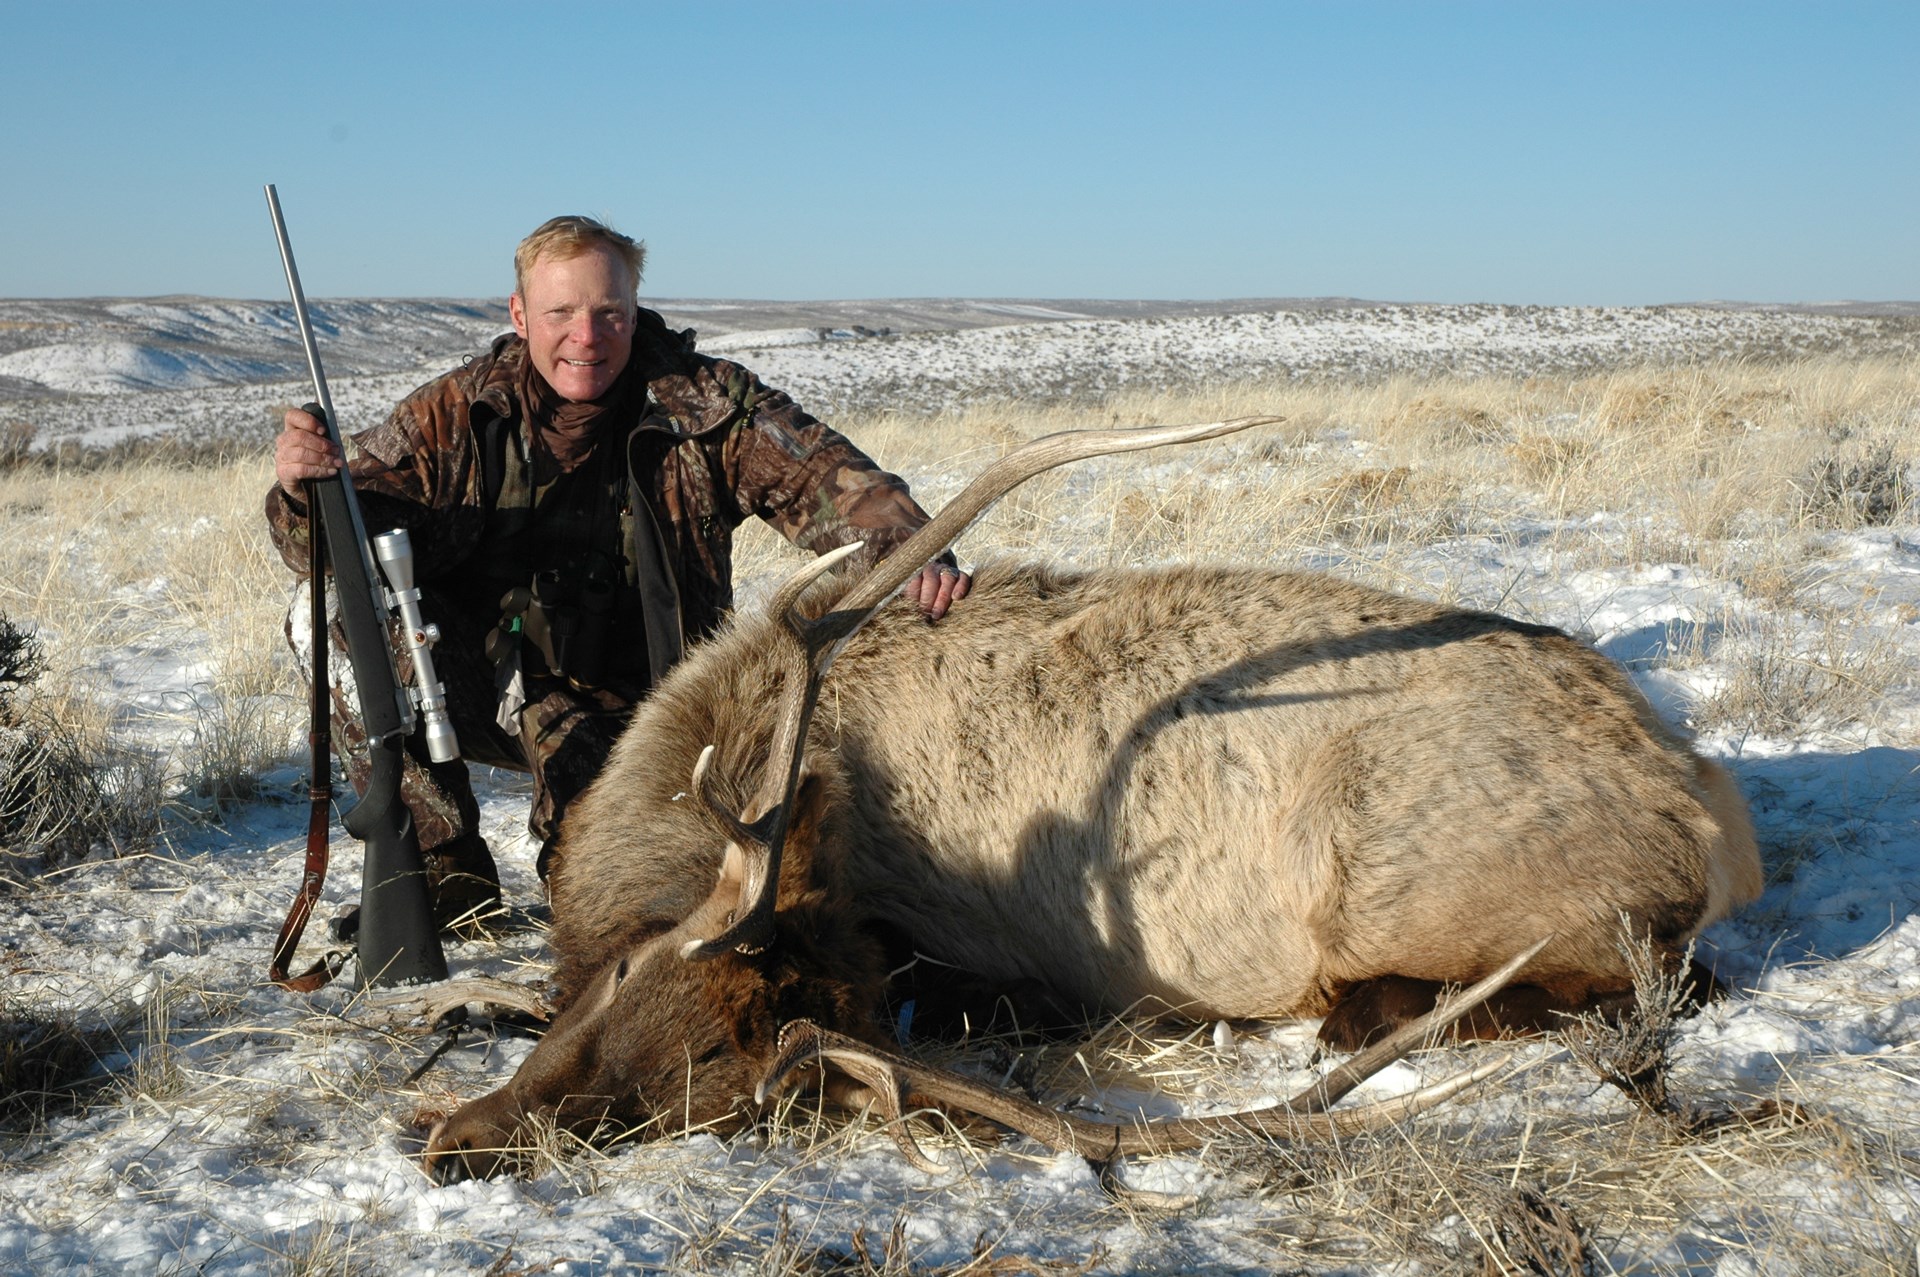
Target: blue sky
1547,152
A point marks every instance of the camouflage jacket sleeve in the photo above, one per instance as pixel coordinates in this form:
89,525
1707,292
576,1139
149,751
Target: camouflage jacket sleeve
806,479
414,470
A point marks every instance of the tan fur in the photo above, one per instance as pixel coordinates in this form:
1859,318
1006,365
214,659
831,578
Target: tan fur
1221,791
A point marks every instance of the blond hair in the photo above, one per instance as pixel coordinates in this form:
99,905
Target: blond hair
565,237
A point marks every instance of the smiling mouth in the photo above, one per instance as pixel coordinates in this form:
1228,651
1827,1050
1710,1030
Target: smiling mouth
583,363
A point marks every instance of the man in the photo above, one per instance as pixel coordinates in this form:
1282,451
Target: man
571,497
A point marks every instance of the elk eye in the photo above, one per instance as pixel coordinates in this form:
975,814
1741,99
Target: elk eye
620,972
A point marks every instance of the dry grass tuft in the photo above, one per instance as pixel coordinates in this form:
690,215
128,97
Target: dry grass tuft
1532,1233
1425,1193
1456,414
127,562
1828,670
66,789
326,1248
49,1064
53,806
1633,1051
16,444
791,1253
1360,503
60,1061
1549,460
1865,488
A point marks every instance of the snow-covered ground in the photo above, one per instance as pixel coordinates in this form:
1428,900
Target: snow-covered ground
266,1133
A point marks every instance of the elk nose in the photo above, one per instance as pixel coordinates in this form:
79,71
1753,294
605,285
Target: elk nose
456,1164
454,1160
447,1168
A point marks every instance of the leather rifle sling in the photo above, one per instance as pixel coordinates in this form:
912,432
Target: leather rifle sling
319,784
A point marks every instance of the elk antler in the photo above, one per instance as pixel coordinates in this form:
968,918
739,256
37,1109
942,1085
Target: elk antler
429,1004
1302,1116
814,643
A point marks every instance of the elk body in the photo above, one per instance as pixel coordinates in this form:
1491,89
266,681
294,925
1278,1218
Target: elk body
1214,792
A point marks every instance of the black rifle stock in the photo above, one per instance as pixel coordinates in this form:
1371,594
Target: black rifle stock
398,941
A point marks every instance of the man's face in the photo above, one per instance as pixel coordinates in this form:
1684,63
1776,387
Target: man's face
577,317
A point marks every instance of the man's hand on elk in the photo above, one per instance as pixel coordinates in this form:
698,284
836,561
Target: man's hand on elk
936,587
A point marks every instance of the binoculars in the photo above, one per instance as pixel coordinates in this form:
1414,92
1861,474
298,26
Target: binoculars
566,616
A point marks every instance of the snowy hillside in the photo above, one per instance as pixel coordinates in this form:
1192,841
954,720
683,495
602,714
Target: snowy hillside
100,371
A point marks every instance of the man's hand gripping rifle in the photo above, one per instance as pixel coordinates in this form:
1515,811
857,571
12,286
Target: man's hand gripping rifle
398,942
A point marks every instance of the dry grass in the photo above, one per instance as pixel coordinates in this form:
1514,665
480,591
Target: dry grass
790,1252
1733,468
64,788
54,1061
49,1063
1825,672
121,570
1547,1188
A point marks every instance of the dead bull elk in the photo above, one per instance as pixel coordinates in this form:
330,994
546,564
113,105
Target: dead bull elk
1217,792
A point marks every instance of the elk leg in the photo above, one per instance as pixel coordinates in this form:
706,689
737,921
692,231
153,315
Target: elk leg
1370,1009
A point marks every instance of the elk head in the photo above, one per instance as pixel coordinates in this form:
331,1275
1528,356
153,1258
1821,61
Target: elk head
657,1045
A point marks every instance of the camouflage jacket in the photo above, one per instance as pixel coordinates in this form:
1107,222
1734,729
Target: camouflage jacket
712,446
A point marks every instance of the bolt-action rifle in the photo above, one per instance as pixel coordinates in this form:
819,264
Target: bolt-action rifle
398,942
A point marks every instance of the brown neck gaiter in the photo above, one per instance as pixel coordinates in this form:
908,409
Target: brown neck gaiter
567,430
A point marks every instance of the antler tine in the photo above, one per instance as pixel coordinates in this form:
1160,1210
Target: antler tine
816,641
1328,1091
429,1004
1304,1116
784,598
739,830
806,650
1003,476
891,1078
802,1042
895,1080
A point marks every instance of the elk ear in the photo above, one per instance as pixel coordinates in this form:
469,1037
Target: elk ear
714,914
805,819
800,855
